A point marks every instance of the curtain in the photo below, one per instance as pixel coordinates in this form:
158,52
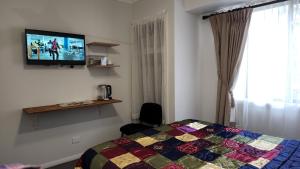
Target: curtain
229,30
148,63
268,86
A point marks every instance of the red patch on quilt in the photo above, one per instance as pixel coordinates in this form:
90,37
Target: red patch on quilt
240,157
113,152
200,133
142,153
175,125
271,154
188,148
232,144
175,132
122,141
173,166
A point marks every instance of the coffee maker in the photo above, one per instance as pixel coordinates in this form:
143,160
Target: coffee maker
105,92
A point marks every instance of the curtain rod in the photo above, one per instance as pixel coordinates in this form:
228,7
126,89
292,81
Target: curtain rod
253,6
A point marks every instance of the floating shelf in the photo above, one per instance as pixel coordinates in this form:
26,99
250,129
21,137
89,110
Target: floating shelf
69,106
103,66
103,44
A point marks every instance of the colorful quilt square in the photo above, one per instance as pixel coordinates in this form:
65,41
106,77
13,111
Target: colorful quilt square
173,166
139,165
160,147
110,165
219,149
187,137
226,134
161,136
98,161
175,132
176,124
233,130
173,154
214,128
130,146
189,148
252,151
210,166
215,139
173,142
122,140
271,139
232,144
100,147
190,162
136,136
150,132
196,125
272,154
164,128
206,155
146,141
259,163
125,160
263,145
142,153
250,134
113,152
240,157
200,133
158,161
241,139
186,129
227,163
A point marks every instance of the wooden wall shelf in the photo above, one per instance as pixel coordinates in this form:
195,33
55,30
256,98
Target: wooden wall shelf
102,66
69,106
103,44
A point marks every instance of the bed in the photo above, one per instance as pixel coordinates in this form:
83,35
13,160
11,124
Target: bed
194,144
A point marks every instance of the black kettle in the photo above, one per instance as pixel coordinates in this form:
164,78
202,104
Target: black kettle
105,92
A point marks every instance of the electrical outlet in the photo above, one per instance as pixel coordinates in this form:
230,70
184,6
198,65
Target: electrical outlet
75,139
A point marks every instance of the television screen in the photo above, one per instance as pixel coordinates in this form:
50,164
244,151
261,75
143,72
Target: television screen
44,47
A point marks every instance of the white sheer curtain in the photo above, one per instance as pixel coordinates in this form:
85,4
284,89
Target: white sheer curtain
148,63
268,87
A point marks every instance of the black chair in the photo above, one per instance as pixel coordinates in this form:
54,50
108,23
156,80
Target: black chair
150,115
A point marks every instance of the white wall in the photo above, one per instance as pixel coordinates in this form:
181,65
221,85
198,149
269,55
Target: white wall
186,43
23,85
206,72
148,8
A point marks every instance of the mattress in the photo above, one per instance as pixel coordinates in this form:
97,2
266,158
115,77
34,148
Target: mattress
193,144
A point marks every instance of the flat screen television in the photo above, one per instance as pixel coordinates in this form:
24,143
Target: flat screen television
52,48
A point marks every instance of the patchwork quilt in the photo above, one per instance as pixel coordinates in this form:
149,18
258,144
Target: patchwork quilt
191,144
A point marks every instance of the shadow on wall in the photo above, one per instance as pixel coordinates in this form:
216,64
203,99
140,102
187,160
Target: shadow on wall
33,128
48,120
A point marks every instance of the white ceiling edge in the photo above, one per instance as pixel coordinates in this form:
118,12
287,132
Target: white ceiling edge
128,1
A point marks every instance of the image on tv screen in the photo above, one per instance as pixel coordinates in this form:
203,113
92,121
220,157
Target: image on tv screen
54,48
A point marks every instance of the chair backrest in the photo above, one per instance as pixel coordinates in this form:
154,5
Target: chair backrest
151,113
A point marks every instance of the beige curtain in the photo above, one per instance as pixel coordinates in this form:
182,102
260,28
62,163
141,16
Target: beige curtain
147,63
230,34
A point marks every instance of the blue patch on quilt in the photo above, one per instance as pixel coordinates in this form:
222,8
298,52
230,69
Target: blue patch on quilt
150,132
206,155
250,134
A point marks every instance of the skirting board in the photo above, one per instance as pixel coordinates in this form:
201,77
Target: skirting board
61,161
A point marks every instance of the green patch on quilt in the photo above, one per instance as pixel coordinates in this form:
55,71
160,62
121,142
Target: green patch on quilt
214,139
157,161
227,163
190,162
161,136
164,128
219,149
241,139
98,148
98,162
271,139
135,136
